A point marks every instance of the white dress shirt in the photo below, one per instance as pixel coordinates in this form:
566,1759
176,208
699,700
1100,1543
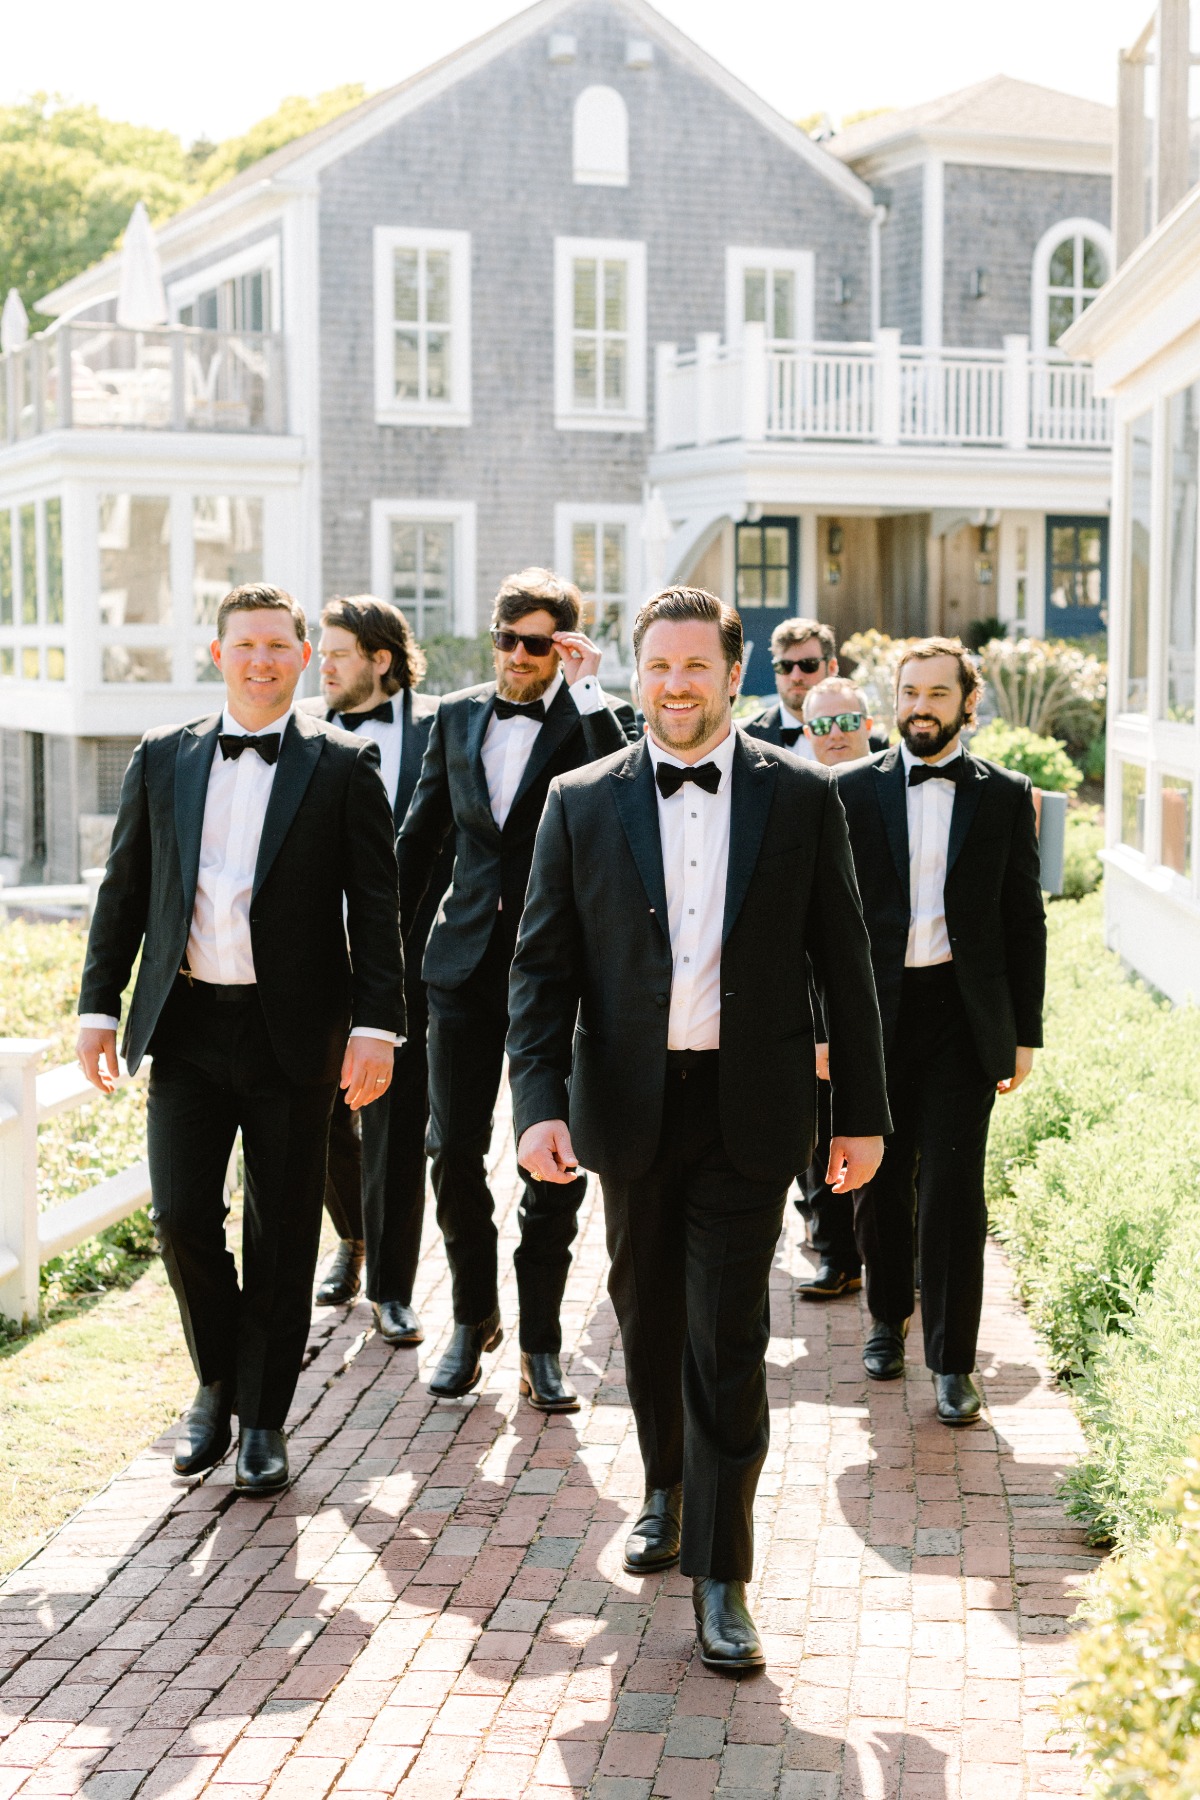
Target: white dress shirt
803,745
390,739
930,808
508,742
693,827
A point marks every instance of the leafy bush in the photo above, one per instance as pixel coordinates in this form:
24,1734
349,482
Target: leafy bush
981,631
454,662
876,657
1053,688
1095,758
1082,869
1043,759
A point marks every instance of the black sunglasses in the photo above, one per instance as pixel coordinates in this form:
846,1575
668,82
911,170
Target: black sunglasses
807,665
536,646
824,724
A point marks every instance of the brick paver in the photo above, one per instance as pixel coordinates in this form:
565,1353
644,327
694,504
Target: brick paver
437,1606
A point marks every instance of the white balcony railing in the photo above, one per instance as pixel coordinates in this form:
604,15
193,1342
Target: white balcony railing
83,375
877,393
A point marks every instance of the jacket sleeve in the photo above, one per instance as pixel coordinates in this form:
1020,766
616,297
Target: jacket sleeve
840,960
123,903
426,826
372,901
546,978
602,732
1024,914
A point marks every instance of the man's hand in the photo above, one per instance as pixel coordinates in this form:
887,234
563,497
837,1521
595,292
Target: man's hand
852,1162
822,1062
1023,1068
97,1045
545,1150
366,1071
579,655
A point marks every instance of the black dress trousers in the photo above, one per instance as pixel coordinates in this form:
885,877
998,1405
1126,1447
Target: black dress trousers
214,1071
831,1215
467,1029
393,1165
344,1175
932,1175
691,1244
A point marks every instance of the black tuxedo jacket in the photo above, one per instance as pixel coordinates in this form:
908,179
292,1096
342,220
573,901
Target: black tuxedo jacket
768,725
994,911
491,866
323,916
416,714
592,975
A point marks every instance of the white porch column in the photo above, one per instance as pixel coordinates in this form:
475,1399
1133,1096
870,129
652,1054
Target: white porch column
887,385
754,382
1016,391
664,363
19,1255
1172,67
809,563
1129,185
707,343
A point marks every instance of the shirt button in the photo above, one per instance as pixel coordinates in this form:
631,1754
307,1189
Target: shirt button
693,865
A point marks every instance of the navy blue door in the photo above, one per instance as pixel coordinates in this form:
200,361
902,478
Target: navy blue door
767,575
1076,577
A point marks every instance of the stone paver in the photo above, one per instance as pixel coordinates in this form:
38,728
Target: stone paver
437,1606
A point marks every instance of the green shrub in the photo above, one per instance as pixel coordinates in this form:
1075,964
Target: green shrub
454,662
1052,687
1094,758
1043,759
1137,1703
1082,869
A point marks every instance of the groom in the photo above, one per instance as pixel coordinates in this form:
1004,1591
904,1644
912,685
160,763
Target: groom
252,864
650,1007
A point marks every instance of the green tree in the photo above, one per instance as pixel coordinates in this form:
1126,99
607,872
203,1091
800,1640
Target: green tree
290,120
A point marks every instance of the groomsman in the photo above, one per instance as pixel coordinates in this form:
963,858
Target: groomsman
651,1010
803,654
945,847
252,864
370,667
493,751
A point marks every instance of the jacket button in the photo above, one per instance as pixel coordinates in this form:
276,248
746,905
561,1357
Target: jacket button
661,999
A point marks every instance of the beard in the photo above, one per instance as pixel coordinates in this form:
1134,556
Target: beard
530,687
929,743
354,693
664,725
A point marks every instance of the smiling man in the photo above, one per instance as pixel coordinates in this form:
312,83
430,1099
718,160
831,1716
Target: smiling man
252,864
647,976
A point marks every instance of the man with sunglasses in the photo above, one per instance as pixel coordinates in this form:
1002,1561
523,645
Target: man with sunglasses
803,654
492,753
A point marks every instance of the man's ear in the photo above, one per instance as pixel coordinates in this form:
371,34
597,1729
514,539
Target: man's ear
305,653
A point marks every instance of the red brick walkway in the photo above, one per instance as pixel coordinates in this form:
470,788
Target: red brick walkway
437,1606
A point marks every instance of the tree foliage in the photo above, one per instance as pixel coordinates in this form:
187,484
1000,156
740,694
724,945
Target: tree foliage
291,119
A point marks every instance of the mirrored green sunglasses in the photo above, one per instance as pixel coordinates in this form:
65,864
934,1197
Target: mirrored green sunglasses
824,724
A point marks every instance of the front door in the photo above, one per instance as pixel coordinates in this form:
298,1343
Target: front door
767,574
1076,577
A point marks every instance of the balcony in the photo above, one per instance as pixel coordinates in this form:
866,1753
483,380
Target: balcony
94,377
876,393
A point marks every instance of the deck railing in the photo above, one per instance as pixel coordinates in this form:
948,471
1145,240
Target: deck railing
882,393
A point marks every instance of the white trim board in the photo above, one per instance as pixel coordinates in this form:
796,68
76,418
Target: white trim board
632,252
462,515
387,239
800,263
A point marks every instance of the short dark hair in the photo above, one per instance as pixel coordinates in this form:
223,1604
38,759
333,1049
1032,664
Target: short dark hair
378,625
798,631
925,649
537,590
681,603
258,596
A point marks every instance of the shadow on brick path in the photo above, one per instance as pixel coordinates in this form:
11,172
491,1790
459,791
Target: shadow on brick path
437,1605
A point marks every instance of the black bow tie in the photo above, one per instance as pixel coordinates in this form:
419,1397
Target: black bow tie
351,721
670,779
955,770
511,709
789,735
267,746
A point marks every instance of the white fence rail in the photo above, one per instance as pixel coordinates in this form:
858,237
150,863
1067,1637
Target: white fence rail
881,392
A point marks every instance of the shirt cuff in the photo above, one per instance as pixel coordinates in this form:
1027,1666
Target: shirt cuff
97,1022
384,1037
588,695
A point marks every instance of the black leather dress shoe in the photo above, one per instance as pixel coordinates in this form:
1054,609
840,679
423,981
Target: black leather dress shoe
460,1368
343,1278
828,1282
654,1541
204,1434
729,1641
397,1323
958,1399
262,1461
542,1383
883,1352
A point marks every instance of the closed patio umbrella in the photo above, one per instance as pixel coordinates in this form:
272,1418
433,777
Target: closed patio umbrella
14,323
141,298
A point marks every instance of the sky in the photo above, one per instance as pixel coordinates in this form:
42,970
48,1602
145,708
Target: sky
211,71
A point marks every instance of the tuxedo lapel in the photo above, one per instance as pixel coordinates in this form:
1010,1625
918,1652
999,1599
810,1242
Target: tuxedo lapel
752,790
410,758
636,801
298,756
558,724
478,721
193,761
891,792
967,795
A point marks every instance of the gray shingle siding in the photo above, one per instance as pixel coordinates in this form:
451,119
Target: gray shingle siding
900,244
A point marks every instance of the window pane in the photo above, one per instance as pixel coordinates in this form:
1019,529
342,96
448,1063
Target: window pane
29,580
1179,698
31,665
585,372
228,550
785,310
776,585
135,563
56,663
437,545
406,289
6,567
1137,641
1133,805
614,559
404,562
614,373
1177,824
775,546
121,662
54,569
408,379
437,287
585,295
1095,267
1062,544
750,587
1090,543
437,366
205,668
749,543
8,663
614,296
583,558
1062,264
754,291
1061,314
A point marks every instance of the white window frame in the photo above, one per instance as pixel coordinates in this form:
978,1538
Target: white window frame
568,514
801,264
631,251
461,514
591,171
265,254
1039,318
388,409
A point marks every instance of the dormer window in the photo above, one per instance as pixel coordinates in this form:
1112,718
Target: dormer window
601,138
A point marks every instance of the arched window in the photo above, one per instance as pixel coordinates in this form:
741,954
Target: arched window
601,138
1070,266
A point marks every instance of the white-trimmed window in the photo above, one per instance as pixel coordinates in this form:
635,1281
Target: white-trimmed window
241,292
422,326
600,138
599,547
1072,262
771,288
423,560
599,334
